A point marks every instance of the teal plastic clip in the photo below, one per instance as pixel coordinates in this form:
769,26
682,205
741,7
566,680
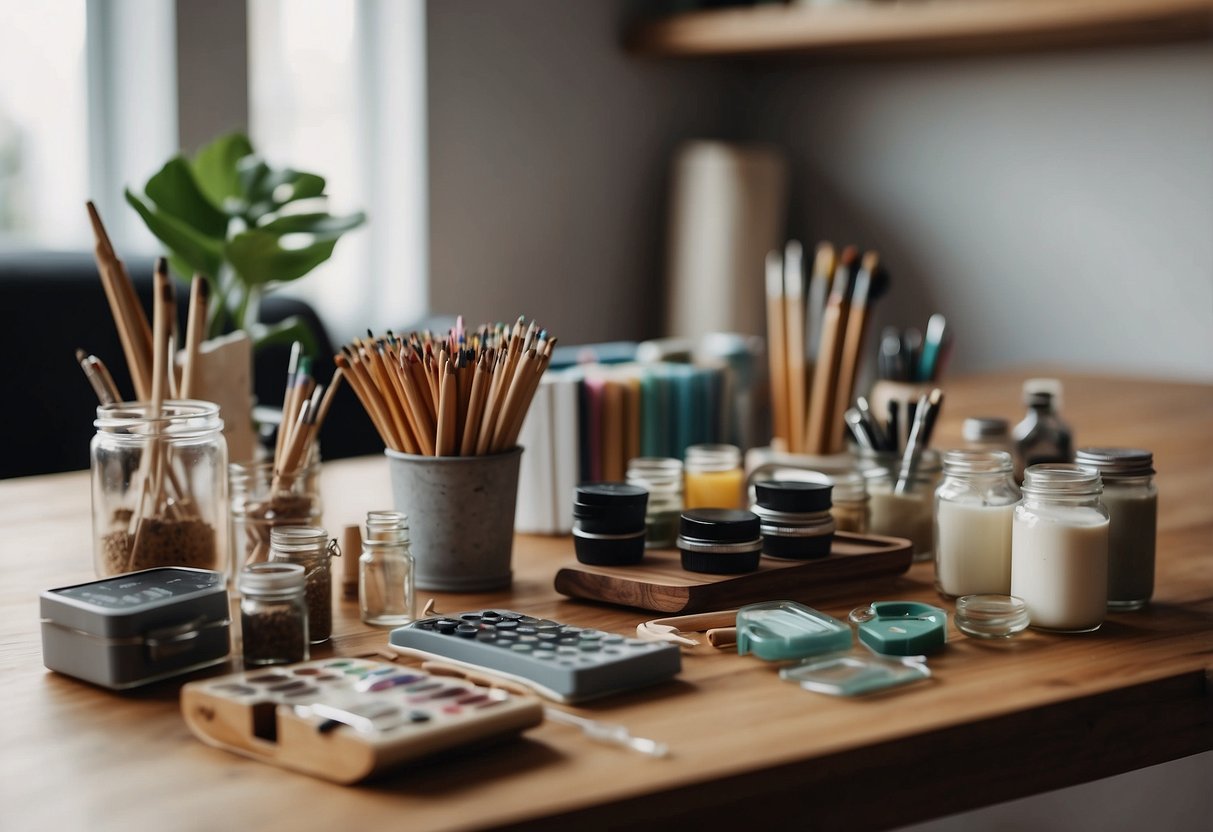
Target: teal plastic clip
779,630
903,628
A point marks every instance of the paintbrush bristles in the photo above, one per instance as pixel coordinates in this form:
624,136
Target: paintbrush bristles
463,393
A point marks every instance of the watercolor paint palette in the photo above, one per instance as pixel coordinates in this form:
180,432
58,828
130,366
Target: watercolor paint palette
346,719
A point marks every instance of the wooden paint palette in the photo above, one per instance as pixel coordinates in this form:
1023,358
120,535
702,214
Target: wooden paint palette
659,582
345,719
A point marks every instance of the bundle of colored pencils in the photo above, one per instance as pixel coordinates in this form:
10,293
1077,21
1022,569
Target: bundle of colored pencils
463,394
816,325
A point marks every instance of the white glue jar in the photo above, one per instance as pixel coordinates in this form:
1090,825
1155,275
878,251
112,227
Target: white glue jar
974,505
1059,548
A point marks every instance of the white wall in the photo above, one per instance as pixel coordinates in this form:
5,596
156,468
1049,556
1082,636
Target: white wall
1058,208
549,152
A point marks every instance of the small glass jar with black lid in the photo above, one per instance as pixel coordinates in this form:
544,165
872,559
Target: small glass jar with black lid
273,614
720,541
795,519
609,523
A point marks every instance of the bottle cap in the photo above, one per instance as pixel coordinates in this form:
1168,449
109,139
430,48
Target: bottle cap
1117,462
793,497
611,494
977,428
720,525
271,577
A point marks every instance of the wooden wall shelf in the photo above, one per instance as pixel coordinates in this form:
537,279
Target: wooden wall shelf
925,27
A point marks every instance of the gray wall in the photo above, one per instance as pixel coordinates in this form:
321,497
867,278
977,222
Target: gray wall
549,152
1058,208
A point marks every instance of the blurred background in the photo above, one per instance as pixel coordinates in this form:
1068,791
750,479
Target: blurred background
1050,192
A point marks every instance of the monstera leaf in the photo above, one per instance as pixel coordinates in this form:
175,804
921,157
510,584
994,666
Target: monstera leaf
244,225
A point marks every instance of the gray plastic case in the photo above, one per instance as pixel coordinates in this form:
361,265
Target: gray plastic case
132,629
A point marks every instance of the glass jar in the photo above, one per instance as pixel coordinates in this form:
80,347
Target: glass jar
974,505
311,548
273,614
260,503
159,489
909,514
850,503
713,478
385,570
662,478
1059,548
1131,498
987,433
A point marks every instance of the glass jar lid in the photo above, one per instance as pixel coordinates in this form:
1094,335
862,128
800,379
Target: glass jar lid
301,541
713,457
271,578
1117,462
611,494
179,419
720,525
991,616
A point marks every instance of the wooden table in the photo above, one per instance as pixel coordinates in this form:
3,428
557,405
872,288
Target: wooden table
998,721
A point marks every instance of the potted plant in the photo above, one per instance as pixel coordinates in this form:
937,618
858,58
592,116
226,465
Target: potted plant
245,227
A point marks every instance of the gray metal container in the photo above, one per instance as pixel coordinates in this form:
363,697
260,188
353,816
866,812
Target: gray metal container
132,629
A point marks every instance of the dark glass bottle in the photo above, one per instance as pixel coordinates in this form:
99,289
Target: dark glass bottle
1042,436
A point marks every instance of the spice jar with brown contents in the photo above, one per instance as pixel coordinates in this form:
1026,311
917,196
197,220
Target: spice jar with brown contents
310,548
159,487
273,614
263,499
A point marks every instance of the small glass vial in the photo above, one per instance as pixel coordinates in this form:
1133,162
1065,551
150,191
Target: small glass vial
662,478
310,547
1131,498
385,570
714,477
273,614
974,505
1042,436
987,433
1059,548
159,487
910,514
850,507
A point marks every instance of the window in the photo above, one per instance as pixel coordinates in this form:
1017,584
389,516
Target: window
330,82
43,149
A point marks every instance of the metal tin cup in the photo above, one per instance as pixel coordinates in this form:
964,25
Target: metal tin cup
461,517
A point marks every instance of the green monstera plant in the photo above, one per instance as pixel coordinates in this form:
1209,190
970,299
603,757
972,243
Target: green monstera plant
243,225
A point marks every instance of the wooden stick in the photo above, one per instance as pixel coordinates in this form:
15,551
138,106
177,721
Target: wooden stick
852,345
528,395
426,427
794,309
777,350
386,376
195,329
513,399
133,329
292,369
471,428
825,376
488,422
367,397
444,441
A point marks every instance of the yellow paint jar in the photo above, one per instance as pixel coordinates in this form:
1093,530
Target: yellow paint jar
714,477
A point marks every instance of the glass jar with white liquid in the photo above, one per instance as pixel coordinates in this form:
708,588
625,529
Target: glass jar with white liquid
1059,548
974,505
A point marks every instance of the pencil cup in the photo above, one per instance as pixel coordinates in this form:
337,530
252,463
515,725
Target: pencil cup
461,517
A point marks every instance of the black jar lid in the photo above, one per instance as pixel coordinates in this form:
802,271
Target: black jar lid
611,494
720,525
1114,462
792,496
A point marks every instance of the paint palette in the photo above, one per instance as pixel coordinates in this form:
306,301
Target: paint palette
345,719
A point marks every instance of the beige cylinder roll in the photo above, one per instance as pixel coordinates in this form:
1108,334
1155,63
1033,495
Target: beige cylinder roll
727,210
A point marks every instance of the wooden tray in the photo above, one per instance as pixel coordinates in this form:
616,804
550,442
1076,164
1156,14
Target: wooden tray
661,584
